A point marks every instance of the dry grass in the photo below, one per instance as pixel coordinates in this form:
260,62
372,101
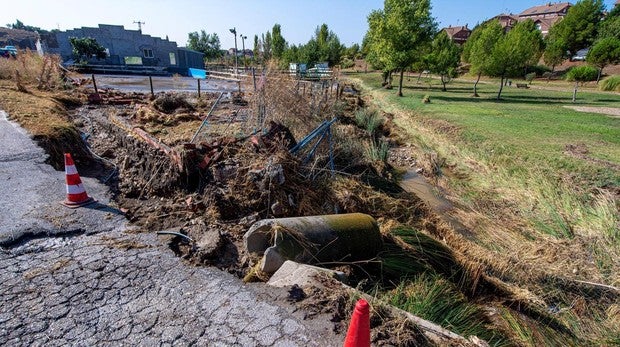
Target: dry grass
45,118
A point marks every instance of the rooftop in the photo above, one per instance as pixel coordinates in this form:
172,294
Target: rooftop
548,8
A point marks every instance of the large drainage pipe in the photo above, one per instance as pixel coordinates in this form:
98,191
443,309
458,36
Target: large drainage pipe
313,239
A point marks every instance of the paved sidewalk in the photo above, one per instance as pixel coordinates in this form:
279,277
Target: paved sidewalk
77,277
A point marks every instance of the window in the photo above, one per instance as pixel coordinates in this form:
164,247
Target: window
133,60
173,58
148,53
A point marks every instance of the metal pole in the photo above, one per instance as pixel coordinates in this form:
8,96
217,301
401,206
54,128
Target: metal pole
234,32
207,117
151,83
243,46
198,87
95,83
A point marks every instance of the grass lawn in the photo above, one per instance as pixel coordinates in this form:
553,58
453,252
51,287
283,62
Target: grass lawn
526,167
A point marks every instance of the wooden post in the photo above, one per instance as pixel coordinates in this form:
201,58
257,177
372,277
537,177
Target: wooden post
94,83
304,89
198,87
151,83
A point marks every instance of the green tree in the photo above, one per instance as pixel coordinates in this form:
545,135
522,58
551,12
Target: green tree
555,52
604,52
328,44
256,47
209,44
267,46
85,48
581,74
610,26
399,32
513,52
21,26
578,29
278,41
444,57
478,50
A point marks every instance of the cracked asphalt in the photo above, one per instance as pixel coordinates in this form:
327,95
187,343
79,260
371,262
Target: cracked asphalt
82,277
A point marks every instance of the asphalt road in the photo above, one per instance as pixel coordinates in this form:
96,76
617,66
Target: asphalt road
81,277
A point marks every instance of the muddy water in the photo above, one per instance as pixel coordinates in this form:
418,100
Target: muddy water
417,184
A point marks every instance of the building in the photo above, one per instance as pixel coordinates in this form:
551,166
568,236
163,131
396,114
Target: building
545,16
458,34
507,21
128,50
548,10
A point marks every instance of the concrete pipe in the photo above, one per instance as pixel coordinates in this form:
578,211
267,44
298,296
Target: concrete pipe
313,239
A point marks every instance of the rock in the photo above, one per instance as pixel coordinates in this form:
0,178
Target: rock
209,244
277,209
302,275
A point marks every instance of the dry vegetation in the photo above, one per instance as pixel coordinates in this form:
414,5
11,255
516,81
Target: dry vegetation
428,267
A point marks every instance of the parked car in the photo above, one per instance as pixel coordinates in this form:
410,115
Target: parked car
580,55
8,51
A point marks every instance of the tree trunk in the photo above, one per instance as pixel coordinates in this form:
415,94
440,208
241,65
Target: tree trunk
598,77
575,91
384,75
420,76
444,83
389,81
476,85
501,86
400,84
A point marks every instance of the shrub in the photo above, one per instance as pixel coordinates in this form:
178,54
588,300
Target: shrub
530,77
611,84
369,120
426,99
539,70
378,150
582,73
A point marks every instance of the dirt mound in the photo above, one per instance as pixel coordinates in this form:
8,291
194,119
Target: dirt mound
170,103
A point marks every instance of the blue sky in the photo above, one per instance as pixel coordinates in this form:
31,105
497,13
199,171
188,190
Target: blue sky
298,19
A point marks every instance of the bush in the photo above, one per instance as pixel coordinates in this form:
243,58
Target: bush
611,84
369,120
378,150
539,70
530,77
347,63
582,74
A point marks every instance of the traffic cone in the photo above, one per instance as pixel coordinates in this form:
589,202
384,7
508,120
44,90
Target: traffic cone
76,194
358,334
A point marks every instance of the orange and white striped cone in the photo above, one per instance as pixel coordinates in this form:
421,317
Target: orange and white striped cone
76,194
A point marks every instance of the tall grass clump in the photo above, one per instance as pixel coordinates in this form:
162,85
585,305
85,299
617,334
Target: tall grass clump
435,299
378,150
610,84
369,120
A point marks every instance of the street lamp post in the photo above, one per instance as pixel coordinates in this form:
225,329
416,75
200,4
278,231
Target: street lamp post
243,45
234,32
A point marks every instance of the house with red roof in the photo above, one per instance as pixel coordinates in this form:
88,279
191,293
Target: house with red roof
545,16
458,34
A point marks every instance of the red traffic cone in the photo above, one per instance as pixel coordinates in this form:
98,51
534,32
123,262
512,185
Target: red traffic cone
358,334
76,194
